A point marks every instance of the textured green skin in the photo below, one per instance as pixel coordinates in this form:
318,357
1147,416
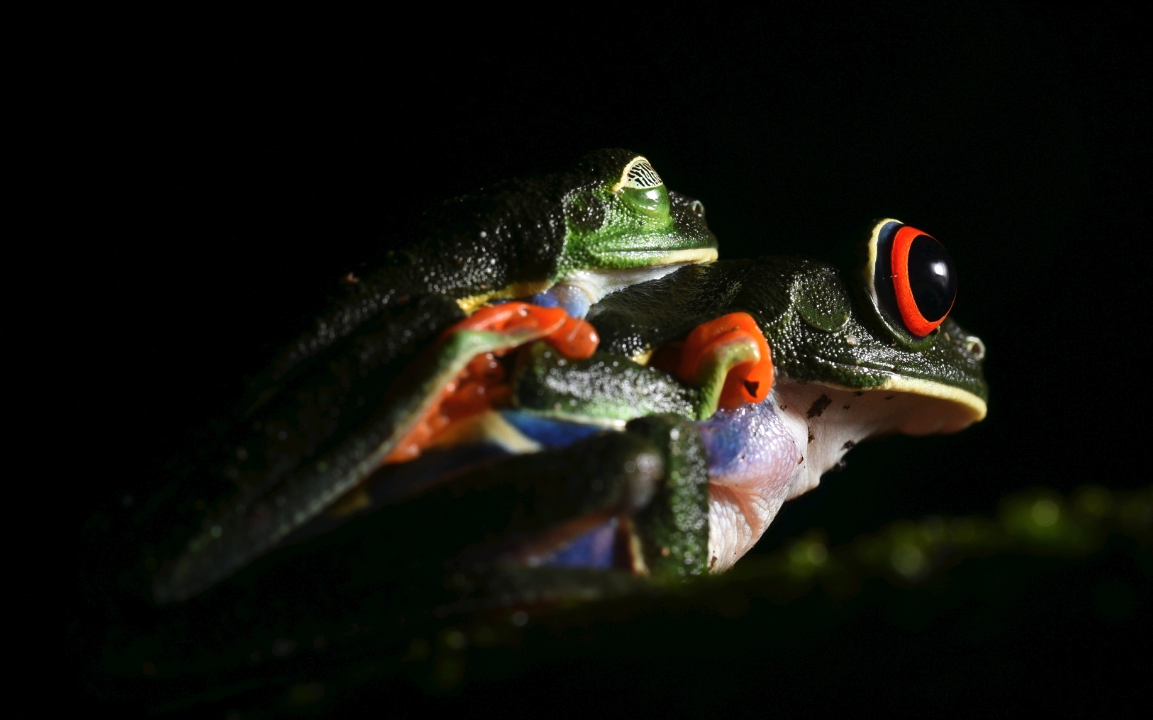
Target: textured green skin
807,313
674,527
605,387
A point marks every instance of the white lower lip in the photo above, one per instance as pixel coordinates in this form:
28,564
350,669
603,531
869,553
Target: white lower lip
599,283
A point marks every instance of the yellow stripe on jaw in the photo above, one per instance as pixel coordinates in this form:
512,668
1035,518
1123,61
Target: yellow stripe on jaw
923,388
927,388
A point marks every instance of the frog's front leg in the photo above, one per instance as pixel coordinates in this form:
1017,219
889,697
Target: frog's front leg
755,456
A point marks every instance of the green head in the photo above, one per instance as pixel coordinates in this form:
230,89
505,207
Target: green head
619,215
608,223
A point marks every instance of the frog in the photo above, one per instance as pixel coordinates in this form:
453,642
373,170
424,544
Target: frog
559,241
660,435
563,239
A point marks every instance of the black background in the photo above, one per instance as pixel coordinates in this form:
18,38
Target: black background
229,171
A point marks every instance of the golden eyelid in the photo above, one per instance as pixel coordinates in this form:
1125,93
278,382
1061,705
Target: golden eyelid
639,175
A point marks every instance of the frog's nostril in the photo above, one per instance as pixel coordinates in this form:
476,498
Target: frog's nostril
975,346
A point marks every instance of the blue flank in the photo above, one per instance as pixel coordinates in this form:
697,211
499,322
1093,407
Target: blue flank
595,548
548,432
724,440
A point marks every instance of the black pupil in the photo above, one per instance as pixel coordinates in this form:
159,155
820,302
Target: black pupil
932,278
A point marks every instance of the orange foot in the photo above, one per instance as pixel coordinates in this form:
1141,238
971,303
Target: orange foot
483,383
729,359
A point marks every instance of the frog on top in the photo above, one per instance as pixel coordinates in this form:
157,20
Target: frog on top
311,425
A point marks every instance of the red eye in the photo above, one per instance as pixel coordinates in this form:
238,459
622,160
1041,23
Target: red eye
914,278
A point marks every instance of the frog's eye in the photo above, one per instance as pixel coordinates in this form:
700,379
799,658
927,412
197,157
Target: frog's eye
642,188
913,278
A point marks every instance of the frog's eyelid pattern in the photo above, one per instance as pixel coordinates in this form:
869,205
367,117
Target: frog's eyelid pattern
639,175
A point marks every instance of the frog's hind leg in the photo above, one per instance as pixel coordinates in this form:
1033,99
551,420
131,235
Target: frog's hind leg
522,507
634,500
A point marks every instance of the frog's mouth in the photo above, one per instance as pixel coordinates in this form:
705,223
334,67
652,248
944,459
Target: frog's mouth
596,284
802,431
582,289
661,256
962,408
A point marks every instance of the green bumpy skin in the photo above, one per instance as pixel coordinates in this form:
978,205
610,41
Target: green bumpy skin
674,526
812,320
607,388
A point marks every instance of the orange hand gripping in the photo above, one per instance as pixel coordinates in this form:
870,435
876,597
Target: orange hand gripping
574,339
748,382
